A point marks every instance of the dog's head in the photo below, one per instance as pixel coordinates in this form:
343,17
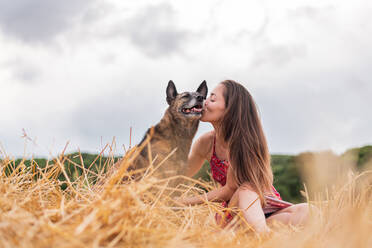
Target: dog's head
187,104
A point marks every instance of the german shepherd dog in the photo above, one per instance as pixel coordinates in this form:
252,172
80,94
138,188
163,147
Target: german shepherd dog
175,131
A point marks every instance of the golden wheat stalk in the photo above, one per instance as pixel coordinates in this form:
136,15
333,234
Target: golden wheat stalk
35,212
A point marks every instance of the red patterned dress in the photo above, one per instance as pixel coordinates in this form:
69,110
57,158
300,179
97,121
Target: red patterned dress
219,173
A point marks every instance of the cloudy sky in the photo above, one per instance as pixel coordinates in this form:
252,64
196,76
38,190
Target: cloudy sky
85,71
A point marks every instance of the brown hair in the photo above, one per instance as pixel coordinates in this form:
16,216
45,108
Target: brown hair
241,129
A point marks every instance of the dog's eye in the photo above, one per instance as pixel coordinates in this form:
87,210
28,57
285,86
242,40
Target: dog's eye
186,96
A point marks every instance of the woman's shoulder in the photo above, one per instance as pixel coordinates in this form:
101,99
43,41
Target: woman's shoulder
206,139
204,143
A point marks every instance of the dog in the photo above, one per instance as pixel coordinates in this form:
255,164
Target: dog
174,132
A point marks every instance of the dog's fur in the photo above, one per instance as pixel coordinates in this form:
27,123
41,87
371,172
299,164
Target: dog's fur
175,130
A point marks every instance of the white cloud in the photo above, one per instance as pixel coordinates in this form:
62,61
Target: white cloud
41,20
93,70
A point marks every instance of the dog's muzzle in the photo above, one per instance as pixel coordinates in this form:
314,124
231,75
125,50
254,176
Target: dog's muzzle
197,109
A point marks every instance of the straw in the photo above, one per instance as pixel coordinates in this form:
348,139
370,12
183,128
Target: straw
36,212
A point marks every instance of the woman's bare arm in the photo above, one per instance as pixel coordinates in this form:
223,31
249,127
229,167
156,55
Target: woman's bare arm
198,154
223,193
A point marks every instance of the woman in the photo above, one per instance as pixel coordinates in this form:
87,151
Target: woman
240,160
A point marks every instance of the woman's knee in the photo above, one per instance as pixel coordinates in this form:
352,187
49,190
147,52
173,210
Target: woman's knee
242,192
234,201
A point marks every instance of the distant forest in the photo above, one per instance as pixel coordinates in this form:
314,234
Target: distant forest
287,169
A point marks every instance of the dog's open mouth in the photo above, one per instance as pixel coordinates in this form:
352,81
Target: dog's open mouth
197,109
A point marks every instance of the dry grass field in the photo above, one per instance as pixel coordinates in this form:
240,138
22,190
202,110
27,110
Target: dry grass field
35,212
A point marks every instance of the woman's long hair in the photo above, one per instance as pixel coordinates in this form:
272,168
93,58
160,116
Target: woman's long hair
241,129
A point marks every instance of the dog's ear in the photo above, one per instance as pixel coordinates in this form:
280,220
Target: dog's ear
171,92
203,89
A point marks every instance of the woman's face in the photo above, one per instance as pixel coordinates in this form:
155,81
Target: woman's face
214,106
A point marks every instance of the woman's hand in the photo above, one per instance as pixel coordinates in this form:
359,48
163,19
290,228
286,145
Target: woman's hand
220,194
179,202
188,201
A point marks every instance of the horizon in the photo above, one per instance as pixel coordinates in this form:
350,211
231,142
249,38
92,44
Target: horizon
106,152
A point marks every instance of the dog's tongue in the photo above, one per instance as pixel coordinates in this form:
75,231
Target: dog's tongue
196,110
